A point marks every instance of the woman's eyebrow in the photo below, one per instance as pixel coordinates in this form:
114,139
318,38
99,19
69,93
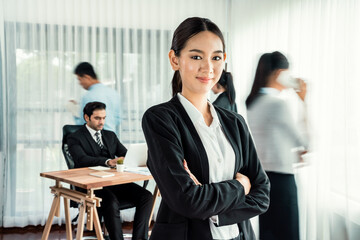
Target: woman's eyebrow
200,51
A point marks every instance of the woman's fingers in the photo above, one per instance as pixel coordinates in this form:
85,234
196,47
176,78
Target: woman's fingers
190,174
245,181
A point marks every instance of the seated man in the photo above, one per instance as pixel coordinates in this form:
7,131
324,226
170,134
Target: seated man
93,146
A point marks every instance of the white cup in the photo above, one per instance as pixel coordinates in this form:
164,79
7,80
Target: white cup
120,167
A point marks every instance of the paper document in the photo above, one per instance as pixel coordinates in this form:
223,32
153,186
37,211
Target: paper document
73,108
100,168
138,170
101,174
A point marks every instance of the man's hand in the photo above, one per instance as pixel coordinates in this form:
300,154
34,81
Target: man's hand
245,181
112,162
73,107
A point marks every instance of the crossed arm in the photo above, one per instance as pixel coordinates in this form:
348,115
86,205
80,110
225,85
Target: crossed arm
232,200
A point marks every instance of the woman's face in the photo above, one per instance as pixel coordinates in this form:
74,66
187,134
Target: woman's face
200,63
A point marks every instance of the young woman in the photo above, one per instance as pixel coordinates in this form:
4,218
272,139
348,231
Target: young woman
202,157
276,137
225,88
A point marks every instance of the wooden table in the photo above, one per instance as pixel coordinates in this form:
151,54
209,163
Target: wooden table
88,202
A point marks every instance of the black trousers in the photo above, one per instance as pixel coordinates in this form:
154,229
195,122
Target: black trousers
281,221
112,197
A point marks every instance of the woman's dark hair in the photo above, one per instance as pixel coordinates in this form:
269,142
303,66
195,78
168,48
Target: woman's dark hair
268,63
186,30
92,106
226,80
85,68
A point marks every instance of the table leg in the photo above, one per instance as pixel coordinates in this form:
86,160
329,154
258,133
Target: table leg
89,212
54,207
57,212
155,195
97,224
67,219
80,225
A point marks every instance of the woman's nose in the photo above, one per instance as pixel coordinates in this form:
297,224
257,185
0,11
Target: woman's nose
207,66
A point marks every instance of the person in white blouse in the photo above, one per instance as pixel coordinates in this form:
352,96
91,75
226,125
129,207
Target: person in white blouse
278,143
202,156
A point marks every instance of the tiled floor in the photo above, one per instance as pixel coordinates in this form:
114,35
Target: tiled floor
57,233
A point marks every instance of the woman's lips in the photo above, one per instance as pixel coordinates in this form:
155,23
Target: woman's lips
204,79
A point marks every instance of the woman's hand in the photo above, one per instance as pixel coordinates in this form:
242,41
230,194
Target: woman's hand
301,156
191,175
245,181
302,89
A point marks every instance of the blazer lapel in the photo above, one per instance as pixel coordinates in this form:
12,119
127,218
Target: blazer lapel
93,145
105,137
229,133
203,164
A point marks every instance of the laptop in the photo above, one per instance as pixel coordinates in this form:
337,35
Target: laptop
136,155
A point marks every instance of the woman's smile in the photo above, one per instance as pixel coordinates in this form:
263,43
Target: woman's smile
204,79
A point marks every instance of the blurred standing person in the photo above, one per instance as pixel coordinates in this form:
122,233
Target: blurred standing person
97,92
225,87
202,157
278,142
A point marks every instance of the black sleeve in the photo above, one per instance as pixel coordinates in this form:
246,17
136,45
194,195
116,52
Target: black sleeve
120,149
257,201
179,192
80,156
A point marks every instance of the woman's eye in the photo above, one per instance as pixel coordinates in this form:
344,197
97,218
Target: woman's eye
217,58
196,57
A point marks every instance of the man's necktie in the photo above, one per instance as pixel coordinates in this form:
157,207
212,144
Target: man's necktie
98,141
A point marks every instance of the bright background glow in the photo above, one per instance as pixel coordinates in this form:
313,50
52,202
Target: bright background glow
128,40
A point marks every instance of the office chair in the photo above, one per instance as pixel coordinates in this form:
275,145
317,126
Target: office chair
67,130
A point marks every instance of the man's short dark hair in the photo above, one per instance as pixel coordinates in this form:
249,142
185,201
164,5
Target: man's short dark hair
92,106
85,68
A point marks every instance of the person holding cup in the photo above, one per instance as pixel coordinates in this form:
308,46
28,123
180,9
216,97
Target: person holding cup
279,143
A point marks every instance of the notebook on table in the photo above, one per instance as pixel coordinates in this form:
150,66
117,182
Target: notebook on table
99,168
101,174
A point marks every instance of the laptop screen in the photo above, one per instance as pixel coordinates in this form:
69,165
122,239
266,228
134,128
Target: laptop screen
136,155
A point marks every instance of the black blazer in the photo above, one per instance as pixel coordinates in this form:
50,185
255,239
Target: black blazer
186,208
223,101
86,152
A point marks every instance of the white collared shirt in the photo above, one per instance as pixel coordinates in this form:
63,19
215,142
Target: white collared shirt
269,90
220,155
93,132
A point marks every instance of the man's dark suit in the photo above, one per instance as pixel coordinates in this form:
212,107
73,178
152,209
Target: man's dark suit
86,153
